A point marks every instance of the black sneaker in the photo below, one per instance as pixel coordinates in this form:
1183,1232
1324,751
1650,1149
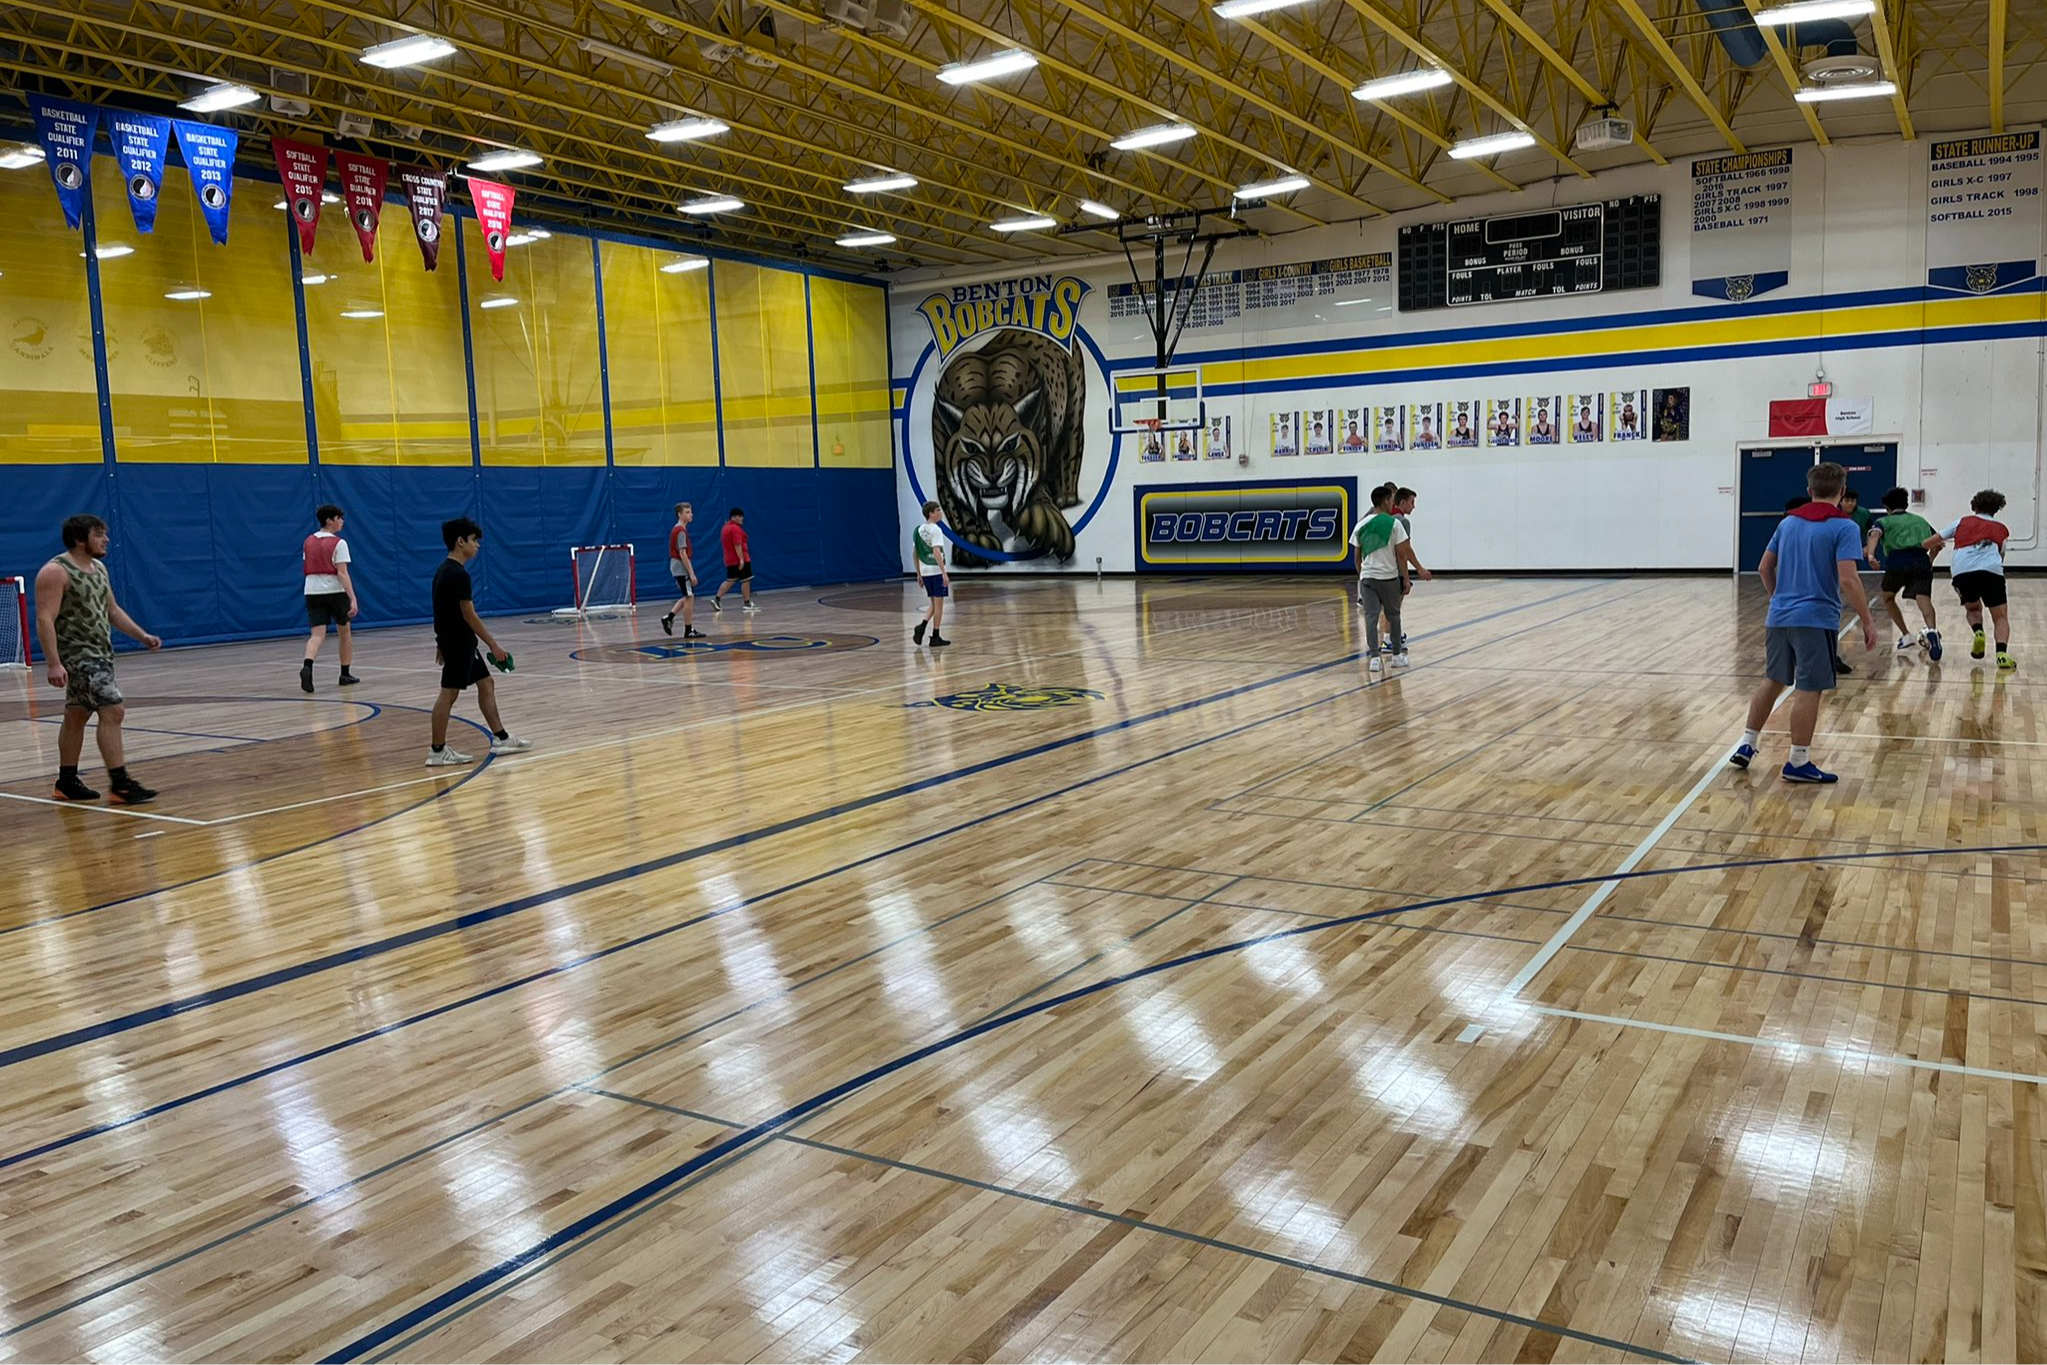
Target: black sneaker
306,676
129,792
918,634
716,605
1841,666
349,679
692,633
668,624
938,641
71,789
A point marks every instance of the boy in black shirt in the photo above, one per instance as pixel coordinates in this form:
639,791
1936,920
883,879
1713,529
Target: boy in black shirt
457,628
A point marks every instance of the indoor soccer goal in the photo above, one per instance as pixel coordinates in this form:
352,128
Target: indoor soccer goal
13,623
604,581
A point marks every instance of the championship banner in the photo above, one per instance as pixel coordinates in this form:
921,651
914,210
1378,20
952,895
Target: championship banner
302,167
362,190
209,154
66,128
140,141
1822,416
1741,225
494,215
425,192
1983,213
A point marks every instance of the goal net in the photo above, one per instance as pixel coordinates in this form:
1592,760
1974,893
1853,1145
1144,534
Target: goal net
13,623
604,581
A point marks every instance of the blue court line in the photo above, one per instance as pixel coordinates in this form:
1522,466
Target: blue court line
625,1203
183,734
426,933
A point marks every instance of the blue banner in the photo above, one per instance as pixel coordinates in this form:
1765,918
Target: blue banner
139,142
209,154
66,129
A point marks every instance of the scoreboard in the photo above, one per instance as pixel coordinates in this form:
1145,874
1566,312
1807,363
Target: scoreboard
1575,249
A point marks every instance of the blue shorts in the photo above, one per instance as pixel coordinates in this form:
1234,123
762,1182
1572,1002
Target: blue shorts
1801,656
934,585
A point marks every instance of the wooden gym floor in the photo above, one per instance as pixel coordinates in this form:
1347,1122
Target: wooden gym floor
1177,990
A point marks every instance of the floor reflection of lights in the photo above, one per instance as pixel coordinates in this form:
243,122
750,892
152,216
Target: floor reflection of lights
1172,1035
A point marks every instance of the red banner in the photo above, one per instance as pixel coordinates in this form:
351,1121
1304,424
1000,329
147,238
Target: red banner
302,167
425,192
494,215
1798,417
362,189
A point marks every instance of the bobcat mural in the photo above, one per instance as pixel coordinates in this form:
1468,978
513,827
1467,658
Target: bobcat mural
1007,443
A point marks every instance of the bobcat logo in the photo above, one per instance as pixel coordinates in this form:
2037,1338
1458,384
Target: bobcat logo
1740,288
1981,278
1006,436
1013,697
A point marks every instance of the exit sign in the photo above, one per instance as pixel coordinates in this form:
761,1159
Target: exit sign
1819,388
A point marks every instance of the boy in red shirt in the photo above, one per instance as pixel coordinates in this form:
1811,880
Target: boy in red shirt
685,573
738,562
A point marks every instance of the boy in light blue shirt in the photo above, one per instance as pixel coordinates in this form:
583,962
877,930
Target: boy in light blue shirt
1978,568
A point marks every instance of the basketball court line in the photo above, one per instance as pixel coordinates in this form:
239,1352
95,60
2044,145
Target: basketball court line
95,806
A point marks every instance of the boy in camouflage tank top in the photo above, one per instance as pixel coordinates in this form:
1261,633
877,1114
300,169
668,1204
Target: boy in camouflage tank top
75,609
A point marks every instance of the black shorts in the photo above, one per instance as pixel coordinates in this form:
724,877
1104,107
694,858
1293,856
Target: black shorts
1909,582
685,587
1980,587
738,573
327,609
460,670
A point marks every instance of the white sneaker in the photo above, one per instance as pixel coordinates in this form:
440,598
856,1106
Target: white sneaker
1400,661
1906,643
1372,665
446,758
510,744
751,609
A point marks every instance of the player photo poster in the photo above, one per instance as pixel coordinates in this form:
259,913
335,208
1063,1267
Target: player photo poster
1628,415
1465,421
1587,418
1183,445
1152,446
1425,426
1673,415
1318,432
1503,421
1285,440
1545,419
1354,431
1391,427
1218,439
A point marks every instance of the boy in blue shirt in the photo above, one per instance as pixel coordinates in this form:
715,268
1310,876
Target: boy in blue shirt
1810,566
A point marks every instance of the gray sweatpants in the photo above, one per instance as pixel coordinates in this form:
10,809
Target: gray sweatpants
1381,594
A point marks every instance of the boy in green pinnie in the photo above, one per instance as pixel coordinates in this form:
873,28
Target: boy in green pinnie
1907,540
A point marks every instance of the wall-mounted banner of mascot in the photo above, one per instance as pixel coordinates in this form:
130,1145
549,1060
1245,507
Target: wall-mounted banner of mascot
1006,422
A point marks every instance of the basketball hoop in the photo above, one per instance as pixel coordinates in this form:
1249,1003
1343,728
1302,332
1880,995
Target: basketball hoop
1151,427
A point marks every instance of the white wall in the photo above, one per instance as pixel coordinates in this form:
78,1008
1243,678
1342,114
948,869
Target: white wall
1966,413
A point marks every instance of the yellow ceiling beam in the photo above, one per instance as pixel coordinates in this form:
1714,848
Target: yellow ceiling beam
1782,60
1594,96
1393,27
1887,53
1680,71
1999,19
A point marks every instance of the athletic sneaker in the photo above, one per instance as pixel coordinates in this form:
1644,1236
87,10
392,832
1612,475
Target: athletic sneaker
446,758
1374,665
1808,773
1976,647
1932,639
127,791
917,635
2005,662
938,641
751,609
306,676
716,605
668,624
1400,661
1905,644
71,789
692,633
1841,666
1742,755
510,744
349,679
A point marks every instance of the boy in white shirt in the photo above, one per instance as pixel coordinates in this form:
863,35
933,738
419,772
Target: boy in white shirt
330,595
929,544
1978,569
1379,542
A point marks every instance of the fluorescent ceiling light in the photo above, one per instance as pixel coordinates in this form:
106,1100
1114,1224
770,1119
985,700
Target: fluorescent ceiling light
988,68
187,295
1405,83
1244,9
1030,224
215,98
508,160
410,50
867,239
719,203
311,280
500,302
894,180
528,237
362,313
1800,11
686,130
613,52
1492,144
111,251
1156,136
1861,90
1265,189
684,264
1098,210
21,157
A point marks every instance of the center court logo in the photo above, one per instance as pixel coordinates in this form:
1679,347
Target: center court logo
764,645
1012,697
